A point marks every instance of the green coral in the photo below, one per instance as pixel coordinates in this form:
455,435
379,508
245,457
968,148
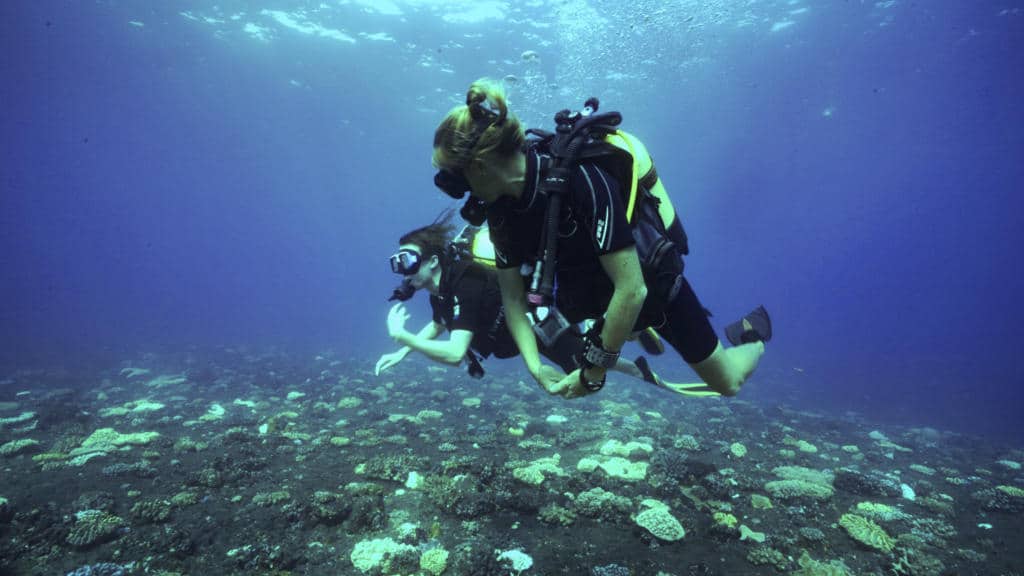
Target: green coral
866,532
937,505
106,440
271,498
659,521
686,442
804,474
533,473
186,444
747,533
793,489
349,402
922,469
383,556
615,467
182,499
15,447
1011,491
801,482
135,406
628,450
328,507
801,445
20,418
768,556
434,561
152,511
909,562
725,519
811,567
760,502
46,457
599,503
556,515
94,527
880,512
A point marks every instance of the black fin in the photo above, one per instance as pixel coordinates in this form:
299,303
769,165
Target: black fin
754,327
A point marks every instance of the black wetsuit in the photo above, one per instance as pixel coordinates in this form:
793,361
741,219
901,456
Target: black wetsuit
593,223
469,298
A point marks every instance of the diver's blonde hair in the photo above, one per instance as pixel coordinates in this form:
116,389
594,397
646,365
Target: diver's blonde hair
482,129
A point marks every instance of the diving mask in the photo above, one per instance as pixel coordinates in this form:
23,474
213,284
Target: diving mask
405,262
451,183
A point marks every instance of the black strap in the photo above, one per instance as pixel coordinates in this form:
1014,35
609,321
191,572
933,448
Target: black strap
473,364
650,179
565,148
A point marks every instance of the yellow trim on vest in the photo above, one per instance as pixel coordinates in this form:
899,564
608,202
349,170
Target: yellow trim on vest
482,248
642,164
624,141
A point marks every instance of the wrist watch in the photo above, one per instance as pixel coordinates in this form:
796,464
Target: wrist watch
594,353
595,356
591,385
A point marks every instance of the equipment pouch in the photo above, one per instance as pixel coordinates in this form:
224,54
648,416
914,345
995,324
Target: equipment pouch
659,256
549,328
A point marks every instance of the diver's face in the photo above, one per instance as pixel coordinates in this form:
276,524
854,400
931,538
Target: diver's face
420,278
483,183
477,178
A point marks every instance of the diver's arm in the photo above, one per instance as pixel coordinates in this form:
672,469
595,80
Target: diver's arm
449,351
429,332
513,298
623,267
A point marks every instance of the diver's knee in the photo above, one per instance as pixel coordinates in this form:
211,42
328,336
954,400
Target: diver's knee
719,373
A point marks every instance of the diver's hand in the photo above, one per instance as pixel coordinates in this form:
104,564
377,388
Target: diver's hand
396,320
571,387
549,379
387,361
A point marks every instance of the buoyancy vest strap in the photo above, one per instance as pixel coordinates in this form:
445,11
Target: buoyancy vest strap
631,201
651,178
647,181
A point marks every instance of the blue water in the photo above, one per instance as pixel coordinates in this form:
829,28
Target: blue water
181,176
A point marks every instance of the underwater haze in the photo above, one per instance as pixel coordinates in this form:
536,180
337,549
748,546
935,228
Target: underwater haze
213,190
187,175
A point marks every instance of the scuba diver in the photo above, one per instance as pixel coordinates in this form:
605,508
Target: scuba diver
466,301
581,218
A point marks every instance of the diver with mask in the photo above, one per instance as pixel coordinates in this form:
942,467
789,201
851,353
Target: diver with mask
465,299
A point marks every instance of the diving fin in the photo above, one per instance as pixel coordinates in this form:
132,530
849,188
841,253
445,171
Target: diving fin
645,369
754,327
650,341
698,389
688,389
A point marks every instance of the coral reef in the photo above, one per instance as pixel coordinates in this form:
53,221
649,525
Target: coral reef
358,476
94,527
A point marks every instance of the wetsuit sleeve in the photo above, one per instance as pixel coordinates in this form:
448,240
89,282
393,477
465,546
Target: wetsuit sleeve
599,206
505,256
